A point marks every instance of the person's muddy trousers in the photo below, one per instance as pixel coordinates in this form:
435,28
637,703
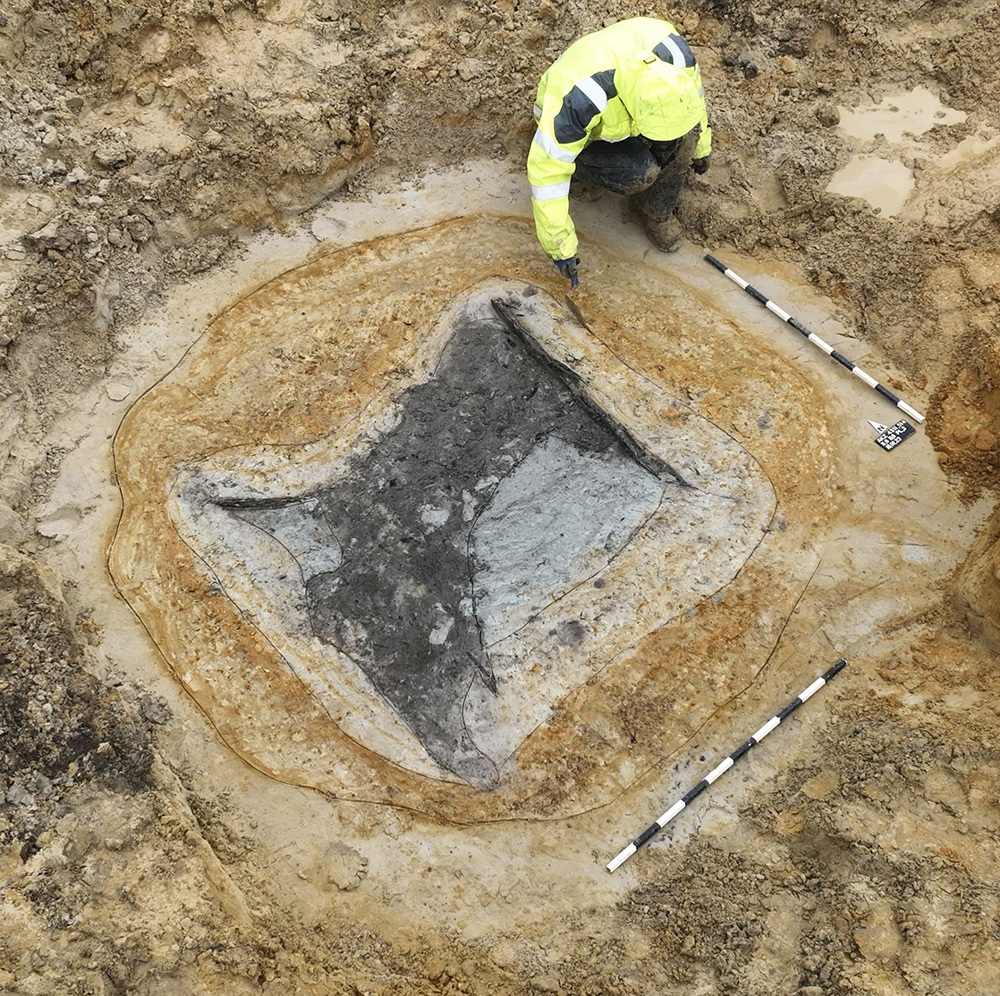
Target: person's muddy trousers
652,172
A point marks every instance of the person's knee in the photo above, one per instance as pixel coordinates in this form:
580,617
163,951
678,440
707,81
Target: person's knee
642,180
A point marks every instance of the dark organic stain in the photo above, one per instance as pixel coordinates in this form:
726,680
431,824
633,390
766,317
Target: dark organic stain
402,602
572,633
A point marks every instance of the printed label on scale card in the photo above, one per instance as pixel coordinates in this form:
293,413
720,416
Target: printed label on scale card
889,437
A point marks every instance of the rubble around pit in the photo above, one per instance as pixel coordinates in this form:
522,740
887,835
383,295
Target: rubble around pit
60,727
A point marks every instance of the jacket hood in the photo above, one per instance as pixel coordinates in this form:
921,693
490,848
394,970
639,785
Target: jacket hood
663,100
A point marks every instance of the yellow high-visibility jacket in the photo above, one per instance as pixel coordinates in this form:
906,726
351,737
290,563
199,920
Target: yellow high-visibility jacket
636,77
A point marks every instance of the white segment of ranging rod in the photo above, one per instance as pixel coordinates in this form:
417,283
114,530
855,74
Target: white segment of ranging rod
815,339
655,828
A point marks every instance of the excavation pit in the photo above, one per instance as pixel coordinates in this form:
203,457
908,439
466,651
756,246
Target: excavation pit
414,540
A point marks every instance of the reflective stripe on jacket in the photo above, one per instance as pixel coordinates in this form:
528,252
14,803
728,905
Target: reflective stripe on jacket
637,77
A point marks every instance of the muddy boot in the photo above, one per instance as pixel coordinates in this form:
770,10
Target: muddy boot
665,235
655,208
656,204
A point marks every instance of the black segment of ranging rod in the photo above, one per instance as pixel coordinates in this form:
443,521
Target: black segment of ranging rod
655,828
813,338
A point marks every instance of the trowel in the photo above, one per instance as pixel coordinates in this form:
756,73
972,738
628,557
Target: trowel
575,311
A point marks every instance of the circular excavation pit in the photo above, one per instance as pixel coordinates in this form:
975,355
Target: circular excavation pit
412,536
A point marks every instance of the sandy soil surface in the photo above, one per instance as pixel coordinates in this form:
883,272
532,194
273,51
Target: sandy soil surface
178,814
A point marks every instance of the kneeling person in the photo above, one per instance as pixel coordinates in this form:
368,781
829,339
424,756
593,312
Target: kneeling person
624,109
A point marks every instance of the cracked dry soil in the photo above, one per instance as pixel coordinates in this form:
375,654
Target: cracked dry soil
160,162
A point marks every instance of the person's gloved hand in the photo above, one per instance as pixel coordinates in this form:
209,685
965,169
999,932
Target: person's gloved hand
701,165
567,267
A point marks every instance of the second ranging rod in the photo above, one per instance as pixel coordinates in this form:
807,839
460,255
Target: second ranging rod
683,803
815,339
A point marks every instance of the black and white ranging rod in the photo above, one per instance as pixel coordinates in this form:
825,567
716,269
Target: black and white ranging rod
655,828
813,338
